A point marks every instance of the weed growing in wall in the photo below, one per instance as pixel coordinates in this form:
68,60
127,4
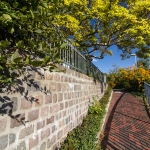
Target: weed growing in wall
84,136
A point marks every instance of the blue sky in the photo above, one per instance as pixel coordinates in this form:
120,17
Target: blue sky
108,61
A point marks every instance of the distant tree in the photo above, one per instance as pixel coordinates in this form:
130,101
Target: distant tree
145,63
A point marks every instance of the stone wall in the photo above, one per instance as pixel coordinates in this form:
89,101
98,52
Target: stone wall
39,111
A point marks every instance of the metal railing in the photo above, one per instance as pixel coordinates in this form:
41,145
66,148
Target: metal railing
147,91
73,59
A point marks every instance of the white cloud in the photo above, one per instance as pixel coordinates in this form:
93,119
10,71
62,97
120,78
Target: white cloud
94,59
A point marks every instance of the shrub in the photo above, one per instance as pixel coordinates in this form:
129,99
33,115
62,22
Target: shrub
131,79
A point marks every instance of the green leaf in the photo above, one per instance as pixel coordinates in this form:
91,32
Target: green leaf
11,30
32,14
40,46
14,15
56,1
31,44
9,80
56,55
14,56
18,59
4,43
63,45
7,17
24,8
20,44
46,60
15,4
44,4
53,66
28,60
38,31
36,63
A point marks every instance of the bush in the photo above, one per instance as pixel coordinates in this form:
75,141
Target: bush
83,137
131,79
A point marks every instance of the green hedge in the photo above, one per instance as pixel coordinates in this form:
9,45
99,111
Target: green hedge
84,136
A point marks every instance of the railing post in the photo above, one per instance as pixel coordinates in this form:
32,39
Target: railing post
147,91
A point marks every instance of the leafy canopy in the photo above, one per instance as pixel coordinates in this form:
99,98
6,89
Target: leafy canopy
145,63
96,25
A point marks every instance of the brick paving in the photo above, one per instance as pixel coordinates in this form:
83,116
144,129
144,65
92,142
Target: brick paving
127,125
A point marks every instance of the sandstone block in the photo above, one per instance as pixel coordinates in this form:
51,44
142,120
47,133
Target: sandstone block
15,103
3,142
66,104
50,120
61,106
3,124
60,96
33,115
65,96
51,141
25,104
39,100
34,86
49,76
58,87
54,128
17,121
40,124
54,98
53,87
54,108
21,146
33,142
45,133
56,77
44,112
60,134
12,138
48,99
26,131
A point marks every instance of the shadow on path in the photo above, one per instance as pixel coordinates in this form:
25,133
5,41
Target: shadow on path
108,124
128,125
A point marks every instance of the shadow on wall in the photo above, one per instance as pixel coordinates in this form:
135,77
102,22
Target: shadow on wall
9,104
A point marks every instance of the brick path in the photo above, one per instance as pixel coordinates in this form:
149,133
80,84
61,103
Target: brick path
127,124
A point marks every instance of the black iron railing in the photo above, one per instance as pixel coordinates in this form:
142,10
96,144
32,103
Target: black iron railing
147,91
73,59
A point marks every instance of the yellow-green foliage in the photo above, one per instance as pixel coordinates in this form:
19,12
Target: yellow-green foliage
130,78
114,22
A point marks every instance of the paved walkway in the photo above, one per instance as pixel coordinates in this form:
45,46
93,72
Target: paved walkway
127,124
